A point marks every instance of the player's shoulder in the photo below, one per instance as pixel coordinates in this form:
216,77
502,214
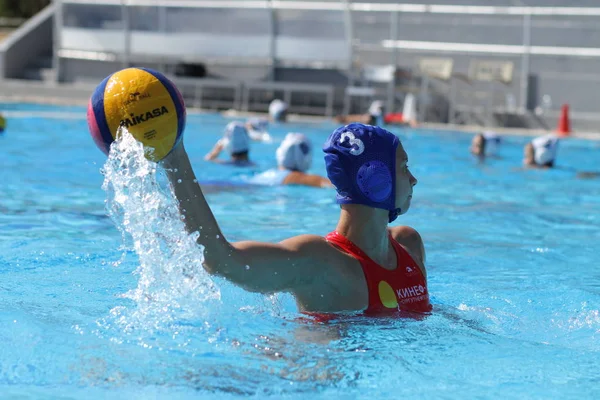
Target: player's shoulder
305,242
316,248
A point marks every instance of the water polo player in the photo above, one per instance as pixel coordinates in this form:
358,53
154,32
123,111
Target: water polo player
485,144
541,152
278,110
236,142
374,116
294,158
361,266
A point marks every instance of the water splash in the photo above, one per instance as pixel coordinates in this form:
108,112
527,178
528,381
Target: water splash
172,284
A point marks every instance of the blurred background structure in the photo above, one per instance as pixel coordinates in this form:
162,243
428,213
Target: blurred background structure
509,63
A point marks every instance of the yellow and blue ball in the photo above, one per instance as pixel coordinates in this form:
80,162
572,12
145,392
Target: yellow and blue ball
143,101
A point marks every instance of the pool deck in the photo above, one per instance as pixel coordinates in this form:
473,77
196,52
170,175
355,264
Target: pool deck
24,91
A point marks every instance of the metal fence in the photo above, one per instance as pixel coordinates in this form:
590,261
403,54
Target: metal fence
554,51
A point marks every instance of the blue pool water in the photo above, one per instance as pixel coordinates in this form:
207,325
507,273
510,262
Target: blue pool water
103,296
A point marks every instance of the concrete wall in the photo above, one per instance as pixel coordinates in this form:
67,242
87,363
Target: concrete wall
222,39
22,47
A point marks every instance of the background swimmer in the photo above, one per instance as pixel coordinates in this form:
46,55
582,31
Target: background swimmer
294,158
236,142
2,123
541,152
374,116
278,110
485,144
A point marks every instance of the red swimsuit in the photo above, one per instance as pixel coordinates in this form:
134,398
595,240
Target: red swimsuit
403,288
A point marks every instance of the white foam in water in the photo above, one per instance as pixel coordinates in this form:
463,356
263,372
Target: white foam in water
172,283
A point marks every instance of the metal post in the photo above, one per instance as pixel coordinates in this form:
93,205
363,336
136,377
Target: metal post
490,105
391,95
162,18
525,62
347,100
162,28
237,94
287,96
421,102
329,103
245,98
349,39
57,38
451,116
126,33
471,113
198,95
272,44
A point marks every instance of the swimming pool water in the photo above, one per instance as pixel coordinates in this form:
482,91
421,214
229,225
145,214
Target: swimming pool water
102,295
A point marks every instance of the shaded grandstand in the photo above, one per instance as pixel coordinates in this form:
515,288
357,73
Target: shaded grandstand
509,62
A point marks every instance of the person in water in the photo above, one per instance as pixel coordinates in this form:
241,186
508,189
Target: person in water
236,142
294,158
278,110
362,265
541,152
374,115
485,144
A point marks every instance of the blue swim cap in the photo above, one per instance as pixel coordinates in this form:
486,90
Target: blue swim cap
361,164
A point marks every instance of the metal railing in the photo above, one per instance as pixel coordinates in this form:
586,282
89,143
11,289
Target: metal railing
229,94
554,44
288,89
195,89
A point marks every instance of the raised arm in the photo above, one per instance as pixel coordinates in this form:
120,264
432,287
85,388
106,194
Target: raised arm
300,178
214,153
256,266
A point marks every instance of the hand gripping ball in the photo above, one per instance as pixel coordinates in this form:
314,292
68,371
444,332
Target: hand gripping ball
143,101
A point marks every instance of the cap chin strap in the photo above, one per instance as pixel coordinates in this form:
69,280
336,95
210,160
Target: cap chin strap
393,214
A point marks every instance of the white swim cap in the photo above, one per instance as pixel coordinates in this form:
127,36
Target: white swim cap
235,138
492,143
376,108
295,152
277,109
544,149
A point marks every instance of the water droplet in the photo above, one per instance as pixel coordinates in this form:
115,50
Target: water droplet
195,180
179,181
218,236
247,267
